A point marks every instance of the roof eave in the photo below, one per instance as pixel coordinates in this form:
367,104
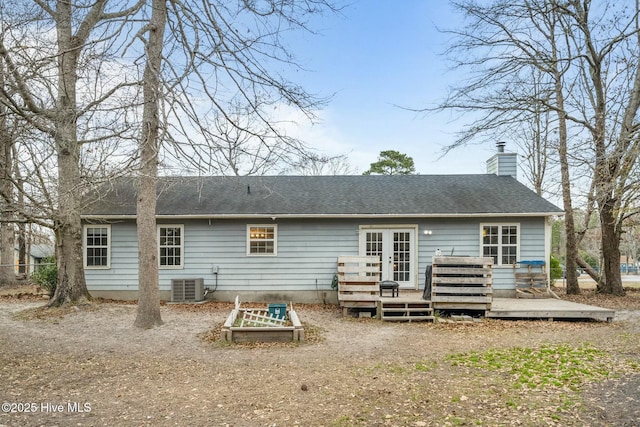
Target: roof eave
97,217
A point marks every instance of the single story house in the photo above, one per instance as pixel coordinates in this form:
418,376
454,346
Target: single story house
277,238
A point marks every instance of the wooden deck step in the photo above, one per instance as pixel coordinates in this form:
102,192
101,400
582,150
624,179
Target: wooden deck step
391,309
407,318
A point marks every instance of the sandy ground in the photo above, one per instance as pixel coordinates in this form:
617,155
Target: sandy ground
91,367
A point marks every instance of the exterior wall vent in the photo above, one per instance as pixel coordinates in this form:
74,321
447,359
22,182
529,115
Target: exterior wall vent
187,290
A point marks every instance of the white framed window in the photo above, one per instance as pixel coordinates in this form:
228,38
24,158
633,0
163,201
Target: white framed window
97,246
170,246
262,240
500,242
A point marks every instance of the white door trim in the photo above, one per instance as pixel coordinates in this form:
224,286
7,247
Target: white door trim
390,228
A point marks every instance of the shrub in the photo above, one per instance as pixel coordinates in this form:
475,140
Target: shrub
555,270
589,259
46,276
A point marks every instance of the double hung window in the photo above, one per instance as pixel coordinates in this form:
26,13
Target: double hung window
97,246
500,242
262,239
170,246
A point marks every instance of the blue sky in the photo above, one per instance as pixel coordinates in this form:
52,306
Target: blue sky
375,56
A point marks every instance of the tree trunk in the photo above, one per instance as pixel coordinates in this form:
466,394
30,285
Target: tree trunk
612,283
22,249
605,181
148,314
573,288
7,232
71,286
7,269
19,214
21,226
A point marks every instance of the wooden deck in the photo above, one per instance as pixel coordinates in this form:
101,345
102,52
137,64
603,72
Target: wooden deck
512,308
547,308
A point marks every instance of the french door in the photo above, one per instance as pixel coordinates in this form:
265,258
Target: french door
396,249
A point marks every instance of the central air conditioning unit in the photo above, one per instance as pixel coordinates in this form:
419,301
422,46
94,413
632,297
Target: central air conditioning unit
187,290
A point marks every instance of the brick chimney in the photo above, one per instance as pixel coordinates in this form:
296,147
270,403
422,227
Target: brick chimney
503,163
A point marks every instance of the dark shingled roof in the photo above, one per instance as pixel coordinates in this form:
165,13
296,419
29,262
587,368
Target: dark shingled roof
421,195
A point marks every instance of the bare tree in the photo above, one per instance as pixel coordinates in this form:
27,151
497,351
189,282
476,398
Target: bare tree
611,120
227,53
589,81
316,164
148,314
45,81
535,138
239,143
231,92
236,142
557,68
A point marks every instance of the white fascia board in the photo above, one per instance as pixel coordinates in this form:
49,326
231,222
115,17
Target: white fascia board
106,217
318,216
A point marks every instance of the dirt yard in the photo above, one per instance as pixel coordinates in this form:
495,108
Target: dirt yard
91,367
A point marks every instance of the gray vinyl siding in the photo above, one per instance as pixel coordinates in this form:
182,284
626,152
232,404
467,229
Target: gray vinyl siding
462,237
307,252
123,274
307,256
503,164
532,247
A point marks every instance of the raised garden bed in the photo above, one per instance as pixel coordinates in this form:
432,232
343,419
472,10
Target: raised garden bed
254,325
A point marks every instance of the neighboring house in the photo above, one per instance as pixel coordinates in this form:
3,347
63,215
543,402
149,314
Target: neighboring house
277,238
37,254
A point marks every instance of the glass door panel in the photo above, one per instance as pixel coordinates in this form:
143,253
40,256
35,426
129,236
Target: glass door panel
396,250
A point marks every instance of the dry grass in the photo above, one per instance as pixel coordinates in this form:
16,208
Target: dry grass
349,372
588,295
53,313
